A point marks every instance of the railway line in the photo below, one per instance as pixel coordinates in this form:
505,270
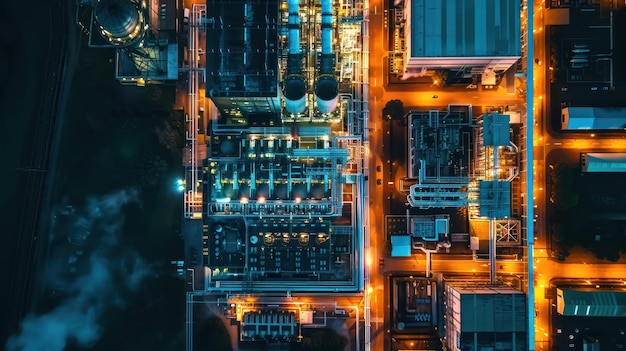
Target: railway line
34,177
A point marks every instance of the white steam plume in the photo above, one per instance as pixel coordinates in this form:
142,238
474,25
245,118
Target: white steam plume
109,269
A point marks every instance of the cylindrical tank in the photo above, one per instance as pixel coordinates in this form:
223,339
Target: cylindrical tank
294,86
327,88
326,93
121,22
295,94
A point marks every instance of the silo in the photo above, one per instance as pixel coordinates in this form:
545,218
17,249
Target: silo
294,86
327,88
121,22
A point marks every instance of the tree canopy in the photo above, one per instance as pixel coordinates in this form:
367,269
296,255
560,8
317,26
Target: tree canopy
394,109
325,340
562,189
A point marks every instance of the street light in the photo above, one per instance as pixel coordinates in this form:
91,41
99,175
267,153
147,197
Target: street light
180,185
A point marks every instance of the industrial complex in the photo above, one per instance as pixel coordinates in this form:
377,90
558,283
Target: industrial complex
305,209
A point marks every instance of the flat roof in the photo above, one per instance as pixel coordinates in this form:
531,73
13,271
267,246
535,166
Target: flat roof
400,246
604,162
596,303
242,48
593,118
465,28
473,289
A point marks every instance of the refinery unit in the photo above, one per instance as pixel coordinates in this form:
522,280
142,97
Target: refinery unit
283,183
280,210
455,160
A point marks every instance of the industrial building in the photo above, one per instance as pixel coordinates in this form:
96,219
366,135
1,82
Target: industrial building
607,162
242,48
440,143
468,37
485,317
587,318
456,160
430,228
143,34
593,118
262,324
280,208
415,305
591,302
283,181
259,70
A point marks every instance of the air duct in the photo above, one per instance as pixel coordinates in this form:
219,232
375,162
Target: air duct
294,86
326,89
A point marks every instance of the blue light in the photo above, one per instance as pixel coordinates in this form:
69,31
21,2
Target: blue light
181,188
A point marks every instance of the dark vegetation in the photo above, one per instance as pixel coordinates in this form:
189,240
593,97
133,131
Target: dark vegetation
394,110
586,210
324,340
119,137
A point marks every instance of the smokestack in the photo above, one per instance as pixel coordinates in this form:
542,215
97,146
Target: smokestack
294,86
327,88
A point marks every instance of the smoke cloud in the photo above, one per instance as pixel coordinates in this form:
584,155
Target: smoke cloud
106,272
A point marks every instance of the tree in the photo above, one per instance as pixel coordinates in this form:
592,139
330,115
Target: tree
394,109
561,254
440,77
387,248
325,340
168,137
562,192
557,233
606,251
155,92
150,168
215,335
